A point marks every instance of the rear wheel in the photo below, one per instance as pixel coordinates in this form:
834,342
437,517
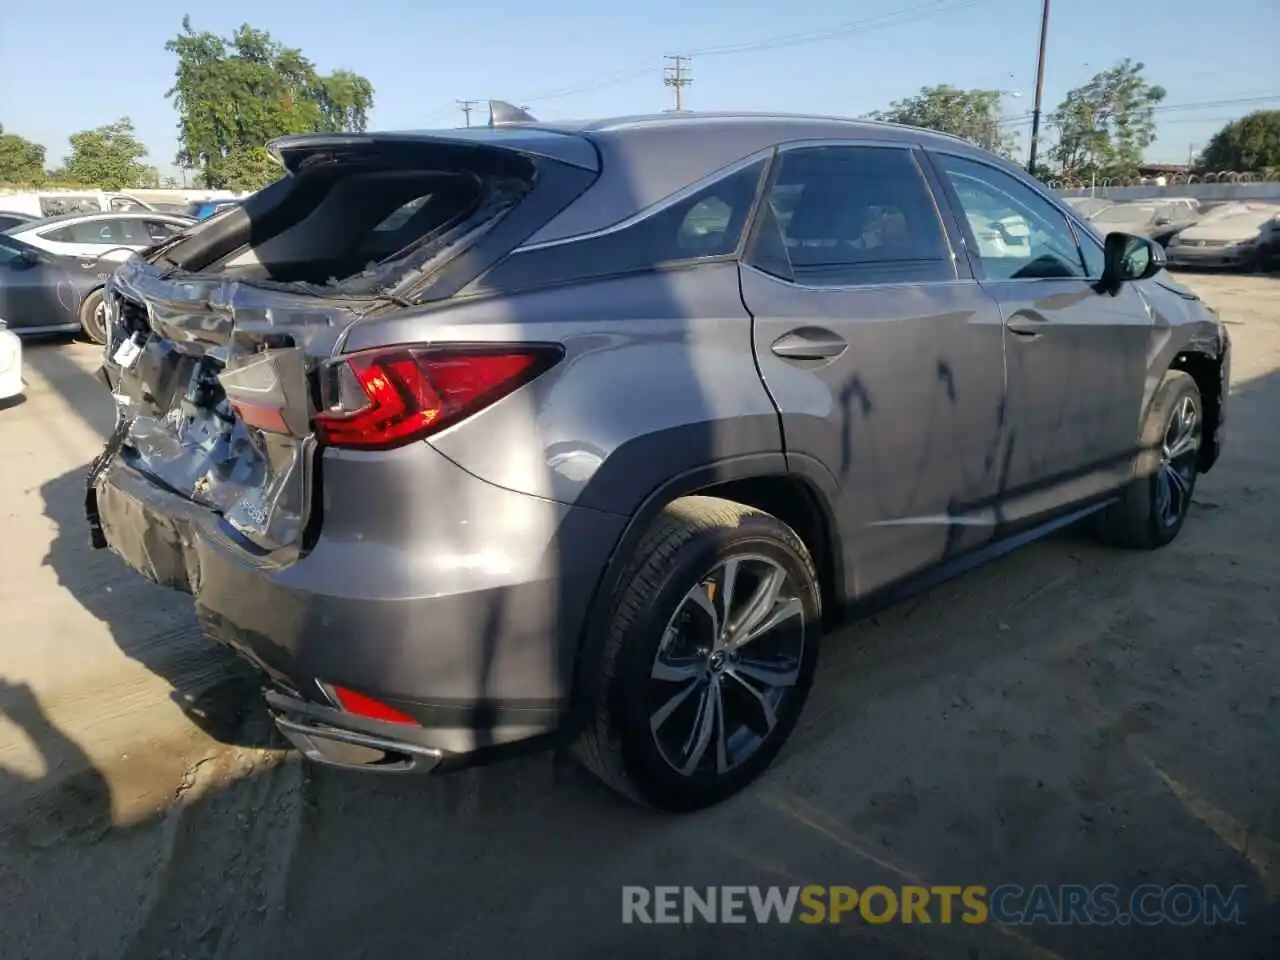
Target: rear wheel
1155,504
711,651
93,317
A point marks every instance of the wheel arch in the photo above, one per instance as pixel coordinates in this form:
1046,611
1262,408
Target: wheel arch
762,481
1207,370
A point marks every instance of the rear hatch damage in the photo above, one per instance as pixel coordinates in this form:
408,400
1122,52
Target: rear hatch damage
213,398
217,340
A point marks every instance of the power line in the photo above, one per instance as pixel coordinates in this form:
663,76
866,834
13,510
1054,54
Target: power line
677,77
1025,118
1035,111
892,18
467,106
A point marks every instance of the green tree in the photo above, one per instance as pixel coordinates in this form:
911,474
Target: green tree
234,94
108,157
971,114
1250,143
21,160
1105,125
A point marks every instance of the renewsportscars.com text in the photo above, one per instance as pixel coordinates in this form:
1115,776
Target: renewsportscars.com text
1008,904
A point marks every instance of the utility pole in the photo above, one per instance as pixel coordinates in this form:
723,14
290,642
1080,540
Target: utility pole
677,77
1035,112
467,106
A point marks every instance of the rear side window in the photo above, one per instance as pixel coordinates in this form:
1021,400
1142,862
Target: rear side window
708,222
840,216
101,233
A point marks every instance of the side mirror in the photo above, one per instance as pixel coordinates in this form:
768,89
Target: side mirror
1132,258
1163,221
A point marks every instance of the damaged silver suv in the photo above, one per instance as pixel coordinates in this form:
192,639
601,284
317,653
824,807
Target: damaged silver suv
480,439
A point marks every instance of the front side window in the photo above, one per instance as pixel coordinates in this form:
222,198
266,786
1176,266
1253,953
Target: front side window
106,233
159,230
1095,259
1016,233
840,216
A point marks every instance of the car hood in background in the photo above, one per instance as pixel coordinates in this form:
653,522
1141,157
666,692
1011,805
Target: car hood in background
1236,226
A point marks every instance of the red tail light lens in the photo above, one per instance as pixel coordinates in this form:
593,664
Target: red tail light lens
366,706
387,398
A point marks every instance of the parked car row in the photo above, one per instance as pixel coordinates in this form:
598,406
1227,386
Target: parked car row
1239,234
52,270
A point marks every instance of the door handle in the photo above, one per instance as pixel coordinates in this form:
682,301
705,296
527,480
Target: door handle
1025,329
809,343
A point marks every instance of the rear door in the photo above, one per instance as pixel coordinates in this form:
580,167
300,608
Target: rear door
1076,351
884,359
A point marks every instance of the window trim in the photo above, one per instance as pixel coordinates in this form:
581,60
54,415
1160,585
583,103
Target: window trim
970,242
47,235
666,203
751,234
763,160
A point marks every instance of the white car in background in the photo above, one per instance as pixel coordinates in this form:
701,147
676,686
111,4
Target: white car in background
108,236
53,203
11,384
1237,234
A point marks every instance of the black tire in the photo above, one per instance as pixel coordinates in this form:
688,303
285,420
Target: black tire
1140,521
93,319
693,539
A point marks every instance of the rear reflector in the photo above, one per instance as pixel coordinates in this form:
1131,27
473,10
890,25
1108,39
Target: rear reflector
381,399
365,706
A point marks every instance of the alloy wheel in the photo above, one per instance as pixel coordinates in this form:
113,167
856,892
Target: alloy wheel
727,663
1178,451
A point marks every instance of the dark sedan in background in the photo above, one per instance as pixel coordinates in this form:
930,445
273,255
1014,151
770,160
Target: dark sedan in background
42,293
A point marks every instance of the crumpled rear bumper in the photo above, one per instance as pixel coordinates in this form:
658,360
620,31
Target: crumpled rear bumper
479,657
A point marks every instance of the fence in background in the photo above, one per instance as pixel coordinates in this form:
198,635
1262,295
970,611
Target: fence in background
1217,192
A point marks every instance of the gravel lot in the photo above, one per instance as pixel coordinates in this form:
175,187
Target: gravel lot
1069,714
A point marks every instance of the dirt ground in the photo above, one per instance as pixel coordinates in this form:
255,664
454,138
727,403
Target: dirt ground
1069,714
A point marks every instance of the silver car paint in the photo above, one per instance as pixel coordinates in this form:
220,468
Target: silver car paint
458,577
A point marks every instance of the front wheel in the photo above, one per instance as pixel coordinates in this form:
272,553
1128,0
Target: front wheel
1154,506
710,655
93,317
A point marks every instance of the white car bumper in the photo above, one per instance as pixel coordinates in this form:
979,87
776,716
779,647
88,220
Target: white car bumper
10,365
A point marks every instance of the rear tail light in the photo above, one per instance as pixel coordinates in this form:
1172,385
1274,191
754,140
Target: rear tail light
381,399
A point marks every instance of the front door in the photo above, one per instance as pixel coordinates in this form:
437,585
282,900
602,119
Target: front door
28,294
883,358
1076,351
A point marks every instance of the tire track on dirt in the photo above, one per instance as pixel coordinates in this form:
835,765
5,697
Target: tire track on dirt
220,879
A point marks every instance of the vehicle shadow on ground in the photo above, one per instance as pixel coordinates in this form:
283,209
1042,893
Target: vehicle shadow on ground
152,625
1035,722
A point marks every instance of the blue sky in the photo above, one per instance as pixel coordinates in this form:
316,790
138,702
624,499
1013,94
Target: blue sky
74,64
